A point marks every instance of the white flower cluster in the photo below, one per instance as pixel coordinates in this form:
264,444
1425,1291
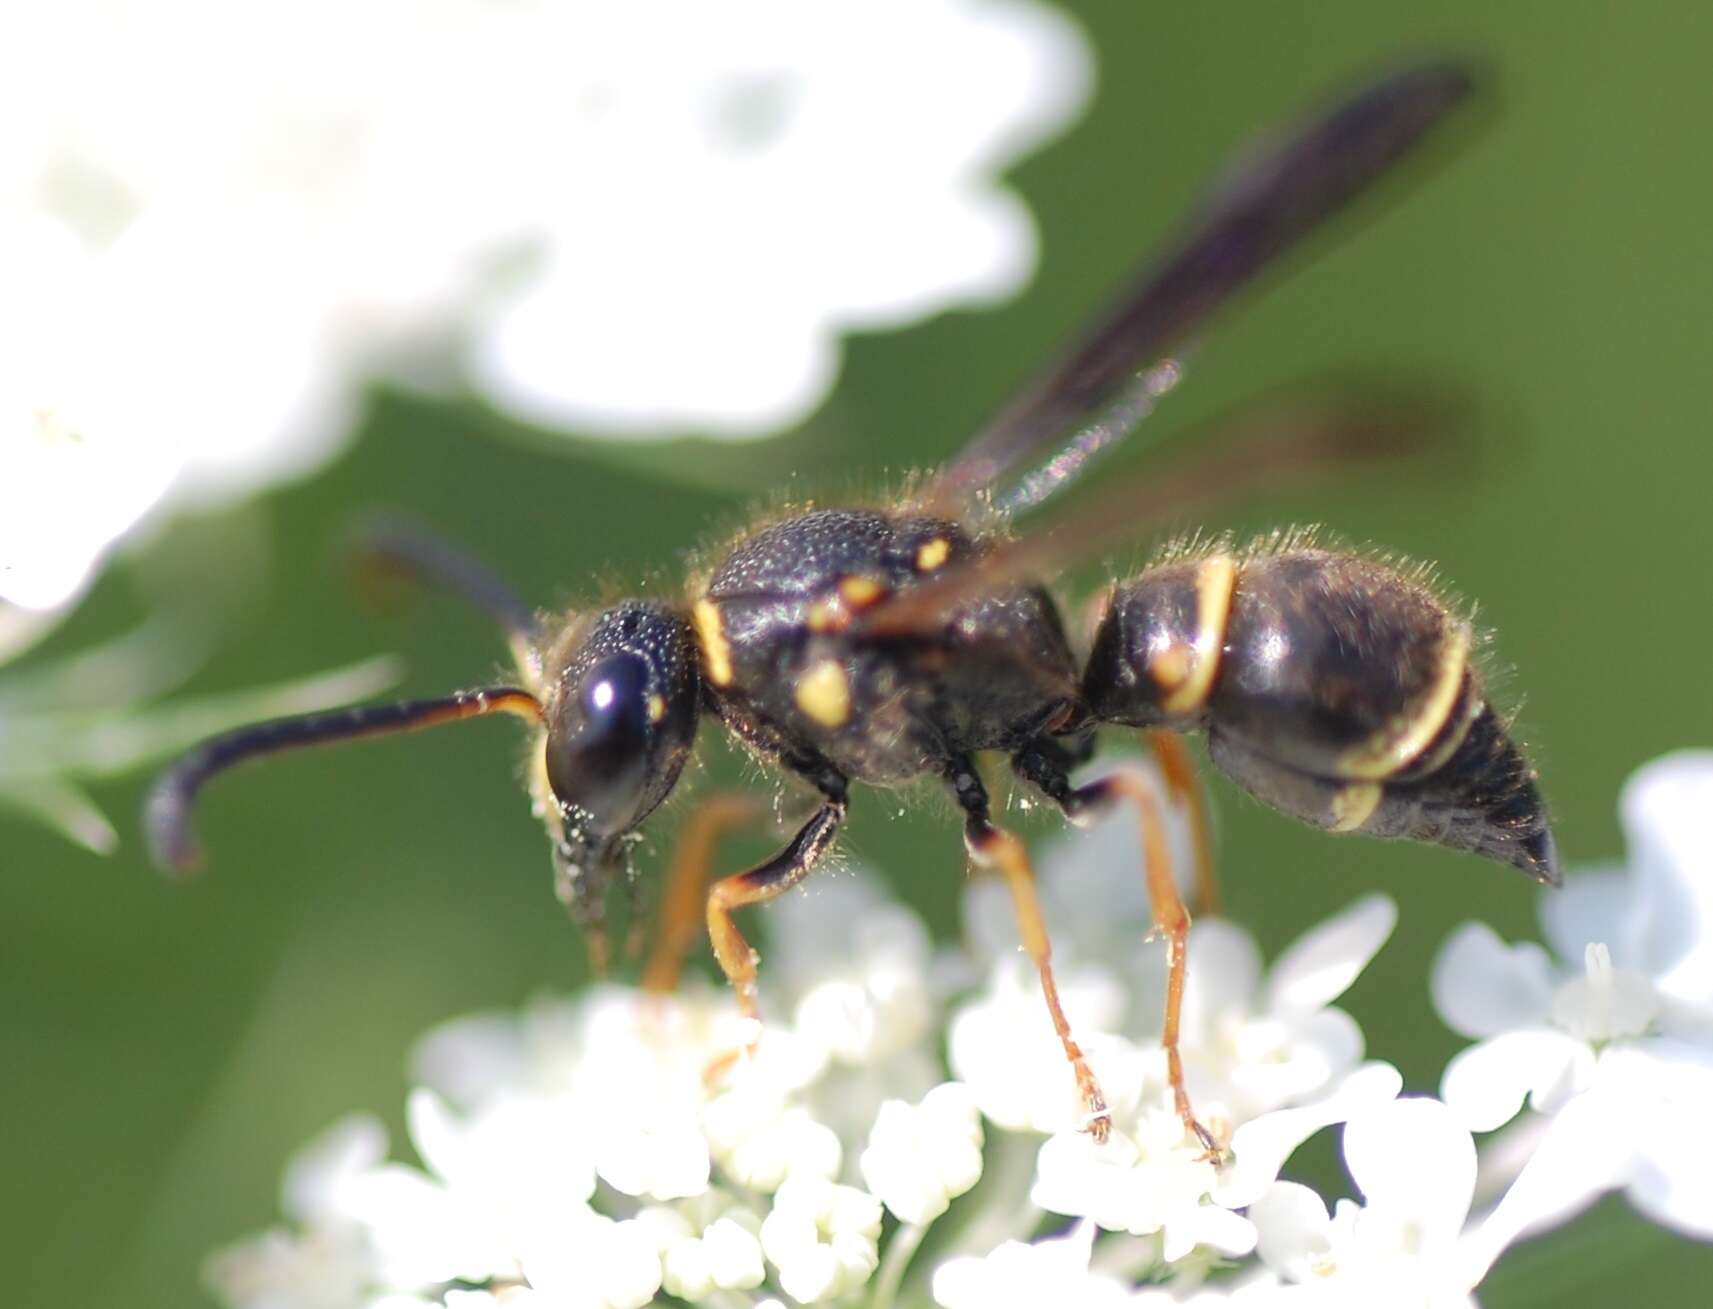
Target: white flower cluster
646,218
1611,1043
578,1155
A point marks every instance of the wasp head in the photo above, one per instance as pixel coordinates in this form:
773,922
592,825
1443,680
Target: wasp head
621,707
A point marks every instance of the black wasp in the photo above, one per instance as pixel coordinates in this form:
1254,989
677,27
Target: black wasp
882,645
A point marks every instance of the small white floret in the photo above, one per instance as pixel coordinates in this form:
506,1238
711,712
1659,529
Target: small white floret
761,1140
1415,1167
1003,1047
1149,1176
726,1256
1023,1275
597,1264
822,1238
858,967
1614,1041
921,1157
288,1270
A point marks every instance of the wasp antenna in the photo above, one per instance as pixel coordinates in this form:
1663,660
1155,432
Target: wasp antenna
167,813
385,545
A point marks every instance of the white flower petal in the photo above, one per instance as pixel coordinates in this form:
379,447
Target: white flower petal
1482,987
687,1271
760,1140
472,1058
424,1234
1415,1165
839,926
1306,1057
734,1255
1672,1183
1210,1225
1003,1047
1594,906
322,1269
1102,1182
1486,1084
598,1264
1322,964
1578,1156
1667,808
664,1161
1019,1275
664,1225
857,968
1101,864
1149,1176
454,1300
1223,970
989,920
1295,1230
822,1238
195,313
1260,1147
438,1135
317,1172
920,1157
1663,1088
756,125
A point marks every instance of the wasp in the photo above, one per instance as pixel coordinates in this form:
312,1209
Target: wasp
883,645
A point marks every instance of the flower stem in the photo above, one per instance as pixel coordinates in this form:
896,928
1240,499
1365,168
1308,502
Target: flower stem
899,1251
1010,1166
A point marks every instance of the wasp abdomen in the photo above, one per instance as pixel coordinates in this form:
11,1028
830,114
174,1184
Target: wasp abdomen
1337,689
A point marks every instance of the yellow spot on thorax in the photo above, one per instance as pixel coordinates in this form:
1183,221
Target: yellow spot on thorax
656,708
931,554
828,616
711,637
824,693
853,593
859,591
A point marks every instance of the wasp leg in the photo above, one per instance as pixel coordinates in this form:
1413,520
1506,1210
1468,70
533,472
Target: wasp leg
686,884
1179,771
1171,919
402,548
994,848
778,875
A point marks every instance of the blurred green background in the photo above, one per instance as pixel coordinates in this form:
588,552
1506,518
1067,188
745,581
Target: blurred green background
166,1047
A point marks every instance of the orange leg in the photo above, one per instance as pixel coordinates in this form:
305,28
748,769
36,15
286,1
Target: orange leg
686,883
1171,920
775,877
993,847
1181,780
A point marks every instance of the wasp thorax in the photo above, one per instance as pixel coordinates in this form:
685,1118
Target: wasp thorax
621,719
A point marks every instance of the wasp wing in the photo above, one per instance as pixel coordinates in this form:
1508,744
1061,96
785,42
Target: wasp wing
1296,436
1268,203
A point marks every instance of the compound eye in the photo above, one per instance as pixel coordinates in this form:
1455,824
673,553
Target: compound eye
598,747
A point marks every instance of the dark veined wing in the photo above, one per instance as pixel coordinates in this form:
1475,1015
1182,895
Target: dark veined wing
1266,205
1300,435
